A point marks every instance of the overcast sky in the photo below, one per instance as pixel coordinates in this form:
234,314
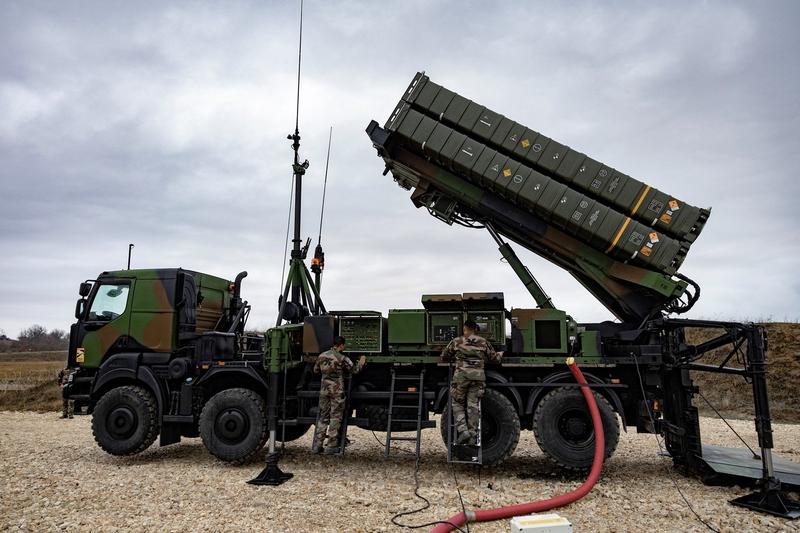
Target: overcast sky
165,125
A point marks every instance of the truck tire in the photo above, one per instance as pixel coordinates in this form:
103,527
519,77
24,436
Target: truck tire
378,417
563,428
233,426
125,420
292,432
500,428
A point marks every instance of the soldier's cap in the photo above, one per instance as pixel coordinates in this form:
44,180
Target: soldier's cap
471,324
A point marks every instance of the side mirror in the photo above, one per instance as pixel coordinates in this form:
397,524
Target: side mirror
80,308
85,289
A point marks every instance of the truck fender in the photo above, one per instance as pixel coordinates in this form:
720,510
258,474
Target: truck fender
609,393
249,371
492,376
125,366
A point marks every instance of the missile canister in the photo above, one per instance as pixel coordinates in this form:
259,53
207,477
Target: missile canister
590,219
501,139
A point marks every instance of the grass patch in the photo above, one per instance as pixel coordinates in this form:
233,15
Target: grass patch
28,381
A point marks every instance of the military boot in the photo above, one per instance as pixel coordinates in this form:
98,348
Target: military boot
330,450
464,437
316,447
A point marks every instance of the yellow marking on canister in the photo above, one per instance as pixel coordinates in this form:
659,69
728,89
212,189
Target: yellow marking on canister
641,199
619,234
525,143
507,172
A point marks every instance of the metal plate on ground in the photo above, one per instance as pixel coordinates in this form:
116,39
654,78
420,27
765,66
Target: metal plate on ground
740,463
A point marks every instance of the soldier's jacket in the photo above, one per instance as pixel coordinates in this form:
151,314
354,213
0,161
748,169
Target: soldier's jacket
470,355
332,365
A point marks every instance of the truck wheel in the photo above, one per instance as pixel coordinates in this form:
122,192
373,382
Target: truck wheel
378,417
233,426
499,428
292,432
125,420
563,428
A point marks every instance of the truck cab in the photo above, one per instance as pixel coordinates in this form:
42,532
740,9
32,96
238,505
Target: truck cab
138,342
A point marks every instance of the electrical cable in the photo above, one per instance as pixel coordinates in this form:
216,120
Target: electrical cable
755,455
661,451
426,501
426,505
286,243
325,185
485,515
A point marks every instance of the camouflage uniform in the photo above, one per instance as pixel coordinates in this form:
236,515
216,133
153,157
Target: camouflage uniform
469,380
68,406
331,365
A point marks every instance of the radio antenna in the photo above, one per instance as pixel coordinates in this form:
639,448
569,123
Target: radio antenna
325,185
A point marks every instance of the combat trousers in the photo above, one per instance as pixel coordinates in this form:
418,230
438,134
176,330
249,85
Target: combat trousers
331,412
466,395
68,408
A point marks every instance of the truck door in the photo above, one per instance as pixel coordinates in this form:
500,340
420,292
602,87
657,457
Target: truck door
106,326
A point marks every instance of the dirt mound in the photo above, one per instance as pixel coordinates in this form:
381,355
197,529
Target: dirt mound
733,397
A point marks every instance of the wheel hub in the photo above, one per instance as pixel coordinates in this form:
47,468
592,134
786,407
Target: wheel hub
122,422
232,426
574,426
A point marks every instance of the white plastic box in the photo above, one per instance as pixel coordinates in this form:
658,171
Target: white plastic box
540,523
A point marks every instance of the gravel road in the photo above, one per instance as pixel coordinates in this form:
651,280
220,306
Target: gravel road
54,477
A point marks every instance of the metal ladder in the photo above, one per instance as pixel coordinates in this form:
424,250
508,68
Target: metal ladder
394,394
460,453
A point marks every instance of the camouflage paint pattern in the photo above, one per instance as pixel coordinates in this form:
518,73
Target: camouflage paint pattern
470,354
466,396
332,365
149,320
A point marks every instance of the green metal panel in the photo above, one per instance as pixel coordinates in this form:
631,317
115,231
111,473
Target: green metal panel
491,325
590,343
364,334
406,326
646,204
444,326
544,331
609,230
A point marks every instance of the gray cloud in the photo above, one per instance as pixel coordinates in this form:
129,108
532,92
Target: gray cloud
165,125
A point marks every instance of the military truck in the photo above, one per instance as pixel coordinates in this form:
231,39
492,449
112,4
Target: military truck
164,352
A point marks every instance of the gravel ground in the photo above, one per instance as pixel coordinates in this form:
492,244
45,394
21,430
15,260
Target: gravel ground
54,477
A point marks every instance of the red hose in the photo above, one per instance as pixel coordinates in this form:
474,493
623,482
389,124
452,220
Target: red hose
509,511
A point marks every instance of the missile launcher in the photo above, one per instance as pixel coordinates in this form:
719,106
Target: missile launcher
622,239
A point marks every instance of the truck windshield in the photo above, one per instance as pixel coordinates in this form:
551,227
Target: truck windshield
109,302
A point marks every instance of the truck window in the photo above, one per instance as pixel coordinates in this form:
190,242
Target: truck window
109,302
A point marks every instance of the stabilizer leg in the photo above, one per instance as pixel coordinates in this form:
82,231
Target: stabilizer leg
272,474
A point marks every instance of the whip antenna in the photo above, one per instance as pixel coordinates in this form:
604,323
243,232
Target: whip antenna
299,60
325,185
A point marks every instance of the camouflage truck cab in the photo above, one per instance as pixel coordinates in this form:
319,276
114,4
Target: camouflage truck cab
146,311
144,347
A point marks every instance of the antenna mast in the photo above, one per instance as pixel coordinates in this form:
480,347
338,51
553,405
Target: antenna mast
301,294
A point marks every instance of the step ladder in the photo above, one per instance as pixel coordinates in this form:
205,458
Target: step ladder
397,394
461,453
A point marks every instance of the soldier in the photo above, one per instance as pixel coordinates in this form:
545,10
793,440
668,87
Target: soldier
332,365
64,377
470,352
